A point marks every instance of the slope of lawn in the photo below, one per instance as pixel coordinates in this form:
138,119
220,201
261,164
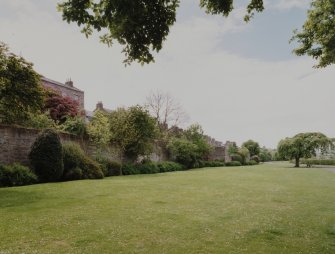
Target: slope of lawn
269,208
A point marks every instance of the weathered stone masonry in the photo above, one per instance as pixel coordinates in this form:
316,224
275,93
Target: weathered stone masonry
15,143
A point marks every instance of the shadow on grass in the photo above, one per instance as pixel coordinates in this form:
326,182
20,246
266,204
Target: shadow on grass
15,198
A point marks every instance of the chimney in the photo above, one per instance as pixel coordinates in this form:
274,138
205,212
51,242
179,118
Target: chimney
100,106
69,83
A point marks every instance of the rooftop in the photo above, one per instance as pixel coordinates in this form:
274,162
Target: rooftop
60,84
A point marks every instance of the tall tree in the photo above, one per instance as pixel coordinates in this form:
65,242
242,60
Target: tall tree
252,146
133,130
99,129
317,38
140,26
21,92
303,145
165,109
191,147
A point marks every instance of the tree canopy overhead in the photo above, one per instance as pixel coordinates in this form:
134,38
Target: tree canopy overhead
140,26
317,38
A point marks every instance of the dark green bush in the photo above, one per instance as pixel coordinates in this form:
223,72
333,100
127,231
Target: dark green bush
73,174
148,168
169,166
75,159
73,155
151,168
255,158
233,164
252,163
46,156
184,152
16,175
130,169
237,157
109,167
209,164
91,169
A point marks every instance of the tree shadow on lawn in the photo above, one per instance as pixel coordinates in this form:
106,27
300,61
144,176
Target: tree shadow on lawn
17,197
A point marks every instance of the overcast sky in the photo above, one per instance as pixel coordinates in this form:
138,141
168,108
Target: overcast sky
239,81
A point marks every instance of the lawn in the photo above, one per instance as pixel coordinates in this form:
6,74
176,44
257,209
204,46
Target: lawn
269,208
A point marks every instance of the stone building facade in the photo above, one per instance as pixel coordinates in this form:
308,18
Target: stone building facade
66,90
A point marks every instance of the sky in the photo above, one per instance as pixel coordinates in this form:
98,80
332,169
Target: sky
238,80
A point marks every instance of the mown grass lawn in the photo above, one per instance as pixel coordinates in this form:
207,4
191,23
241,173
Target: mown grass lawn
269,208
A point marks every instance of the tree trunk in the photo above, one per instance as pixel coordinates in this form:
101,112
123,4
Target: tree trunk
297,162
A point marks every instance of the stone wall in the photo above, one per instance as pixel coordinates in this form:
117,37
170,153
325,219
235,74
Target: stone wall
16,142
218,153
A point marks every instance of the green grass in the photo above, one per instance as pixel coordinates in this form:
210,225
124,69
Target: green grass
261,209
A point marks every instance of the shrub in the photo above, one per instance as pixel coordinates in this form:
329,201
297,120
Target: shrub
91,169
40,121
233,164
148,168
252,163
184,152
74,125
237,157
151,168
16,175
169,166
130,169
75,159
255,158
109,167
73,174
46,156
114,168
73,155
209,164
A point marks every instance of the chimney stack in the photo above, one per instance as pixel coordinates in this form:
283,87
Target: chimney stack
100,106
69,83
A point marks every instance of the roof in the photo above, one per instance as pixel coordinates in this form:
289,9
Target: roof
105,109
89,114
60,84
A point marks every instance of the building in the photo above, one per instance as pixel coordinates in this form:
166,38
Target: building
99,106
66,90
